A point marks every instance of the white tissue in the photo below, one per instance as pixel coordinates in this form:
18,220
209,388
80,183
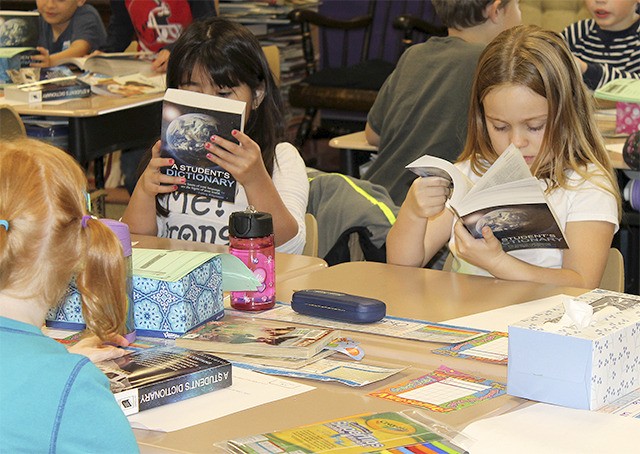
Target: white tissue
579,315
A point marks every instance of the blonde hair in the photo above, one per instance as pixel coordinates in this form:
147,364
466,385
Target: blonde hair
42,198
540,60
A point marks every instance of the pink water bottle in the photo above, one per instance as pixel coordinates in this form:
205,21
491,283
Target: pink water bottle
251,240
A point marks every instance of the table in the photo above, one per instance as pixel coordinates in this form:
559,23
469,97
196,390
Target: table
287,265
411,292
354,144
99,125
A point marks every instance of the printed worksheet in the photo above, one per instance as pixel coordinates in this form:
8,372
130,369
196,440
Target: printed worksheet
492,347
443,390
628,405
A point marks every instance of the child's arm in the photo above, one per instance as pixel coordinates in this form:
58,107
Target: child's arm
78,48
244,162
372,137
582,264
423,225
140,214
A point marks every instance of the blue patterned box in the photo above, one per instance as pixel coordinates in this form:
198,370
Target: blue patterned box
578,368
185,292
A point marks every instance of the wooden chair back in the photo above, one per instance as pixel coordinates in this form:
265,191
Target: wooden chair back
11,125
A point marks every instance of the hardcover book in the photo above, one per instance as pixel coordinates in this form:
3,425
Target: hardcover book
507,198
18,39
48,90
258,337
19,28
408,431
157,376
189,119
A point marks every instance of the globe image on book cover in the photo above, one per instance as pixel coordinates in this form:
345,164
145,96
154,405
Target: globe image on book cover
18,32
187,135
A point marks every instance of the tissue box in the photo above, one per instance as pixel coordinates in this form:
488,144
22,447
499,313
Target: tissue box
161,308
173,291
582,369
627,117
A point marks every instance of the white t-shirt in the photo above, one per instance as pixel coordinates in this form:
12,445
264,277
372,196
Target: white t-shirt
198,218
583,202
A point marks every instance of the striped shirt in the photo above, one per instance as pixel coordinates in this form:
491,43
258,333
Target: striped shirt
609,55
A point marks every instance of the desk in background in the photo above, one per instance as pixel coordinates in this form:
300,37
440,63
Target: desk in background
287,265
99,125
411,292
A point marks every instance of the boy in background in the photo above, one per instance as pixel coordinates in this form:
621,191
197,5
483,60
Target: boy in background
422,106
68,28
606,47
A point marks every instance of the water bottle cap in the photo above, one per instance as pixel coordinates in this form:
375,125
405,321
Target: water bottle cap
122,232
250,224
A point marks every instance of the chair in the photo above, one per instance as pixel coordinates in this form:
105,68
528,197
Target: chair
311,243
273,59
337,83
612,278
11,125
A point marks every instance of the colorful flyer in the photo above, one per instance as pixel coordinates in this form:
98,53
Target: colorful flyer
443,390
490,348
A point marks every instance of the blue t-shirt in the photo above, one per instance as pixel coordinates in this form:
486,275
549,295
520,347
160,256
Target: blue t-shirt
54,401
85,24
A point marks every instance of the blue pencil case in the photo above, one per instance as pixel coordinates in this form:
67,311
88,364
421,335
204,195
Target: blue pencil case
338,306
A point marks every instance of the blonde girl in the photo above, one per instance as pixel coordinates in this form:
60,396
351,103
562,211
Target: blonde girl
527,91
55,401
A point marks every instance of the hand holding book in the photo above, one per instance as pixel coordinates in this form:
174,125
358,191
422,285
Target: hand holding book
507,198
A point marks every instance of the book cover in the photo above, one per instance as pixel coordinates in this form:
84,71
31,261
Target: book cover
260,337
48,90
19,28
507,198
114,64
189,119
368,433
126,86
157,376
14,59
620,90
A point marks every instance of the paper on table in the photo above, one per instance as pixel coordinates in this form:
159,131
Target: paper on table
615,147
549,428
249,390
500,319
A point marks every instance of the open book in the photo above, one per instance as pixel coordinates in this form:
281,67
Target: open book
189,119
114,64
238,335
507,198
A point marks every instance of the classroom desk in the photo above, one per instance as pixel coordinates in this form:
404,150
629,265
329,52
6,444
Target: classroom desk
287,265
428,294
99,125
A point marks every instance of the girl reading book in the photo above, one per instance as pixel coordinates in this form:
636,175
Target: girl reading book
55,401
223,58
527,92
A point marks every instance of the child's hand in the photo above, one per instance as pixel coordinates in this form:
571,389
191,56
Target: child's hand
243,161
152,182
427,196
159,65
96,350
41,61
485,252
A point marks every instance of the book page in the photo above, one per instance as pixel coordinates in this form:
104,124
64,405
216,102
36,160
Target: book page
431,166
510,166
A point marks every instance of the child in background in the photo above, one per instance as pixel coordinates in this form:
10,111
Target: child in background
54,401
223,58
606,47
527,91
422,106
154,25
68,28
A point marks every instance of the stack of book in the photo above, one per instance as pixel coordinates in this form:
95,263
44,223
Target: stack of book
257,341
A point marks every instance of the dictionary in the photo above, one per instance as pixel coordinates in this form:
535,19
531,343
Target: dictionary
155,376
507,199
189,120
